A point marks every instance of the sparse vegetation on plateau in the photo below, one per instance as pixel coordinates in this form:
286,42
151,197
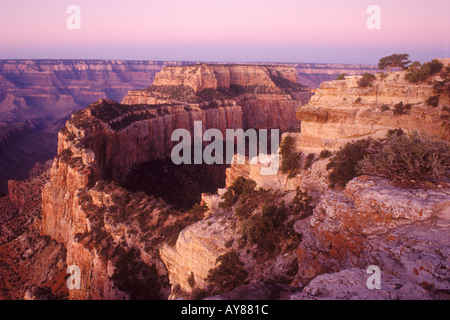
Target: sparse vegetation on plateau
412,158
229,273
290,160
418,73
343,163
366,80
325,153
384,108
408,158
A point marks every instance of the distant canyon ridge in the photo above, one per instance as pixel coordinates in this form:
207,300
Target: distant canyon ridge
38,96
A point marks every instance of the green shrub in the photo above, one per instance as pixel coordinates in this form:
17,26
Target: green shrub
302,203
433,101
229,273
343,163
325,153
435,66
191,280
399,109
407,158
240,186
419,74
260,230
228,199
309,161
197,212
264,229
341,76
358,100
290,160
384,108
366,80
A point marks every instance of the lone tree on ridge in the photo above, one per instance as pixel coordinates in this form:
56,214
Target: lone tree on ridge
394,61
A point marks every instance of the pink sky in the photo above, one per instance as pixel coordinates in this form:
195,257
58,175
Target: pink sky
210,30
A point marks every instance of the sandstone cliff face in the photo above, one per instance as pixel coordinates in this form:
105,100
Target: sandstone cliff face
114,236
38,96
89,150
270,106
31,266
371,222
203,76
334,116
50,90
106,141
196,251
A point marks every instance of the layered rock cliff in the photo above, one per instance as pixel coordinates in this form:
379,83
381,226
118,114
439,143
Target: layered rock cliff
38,96
132,245
32,267
48,91
371,222
341,111
95,220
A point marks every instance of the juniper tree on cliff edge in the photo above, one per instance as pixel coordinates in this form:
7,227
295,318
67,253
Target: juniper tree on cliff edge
393,61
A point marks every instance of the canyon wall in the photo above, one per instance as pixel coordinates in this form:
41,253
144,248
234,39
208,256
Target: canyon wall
341,111
48,91
105,142
371,222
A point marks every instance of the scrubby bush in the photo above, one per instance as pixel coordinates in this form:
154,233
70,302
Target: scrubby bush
433,101
290,160
265,228
325,153
399,109
341,76
407,158
260,230
358,100
229,273
343,163
191,280
435,66
384,108
302,203
241,187
366,80
383,75
309,161
419,74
